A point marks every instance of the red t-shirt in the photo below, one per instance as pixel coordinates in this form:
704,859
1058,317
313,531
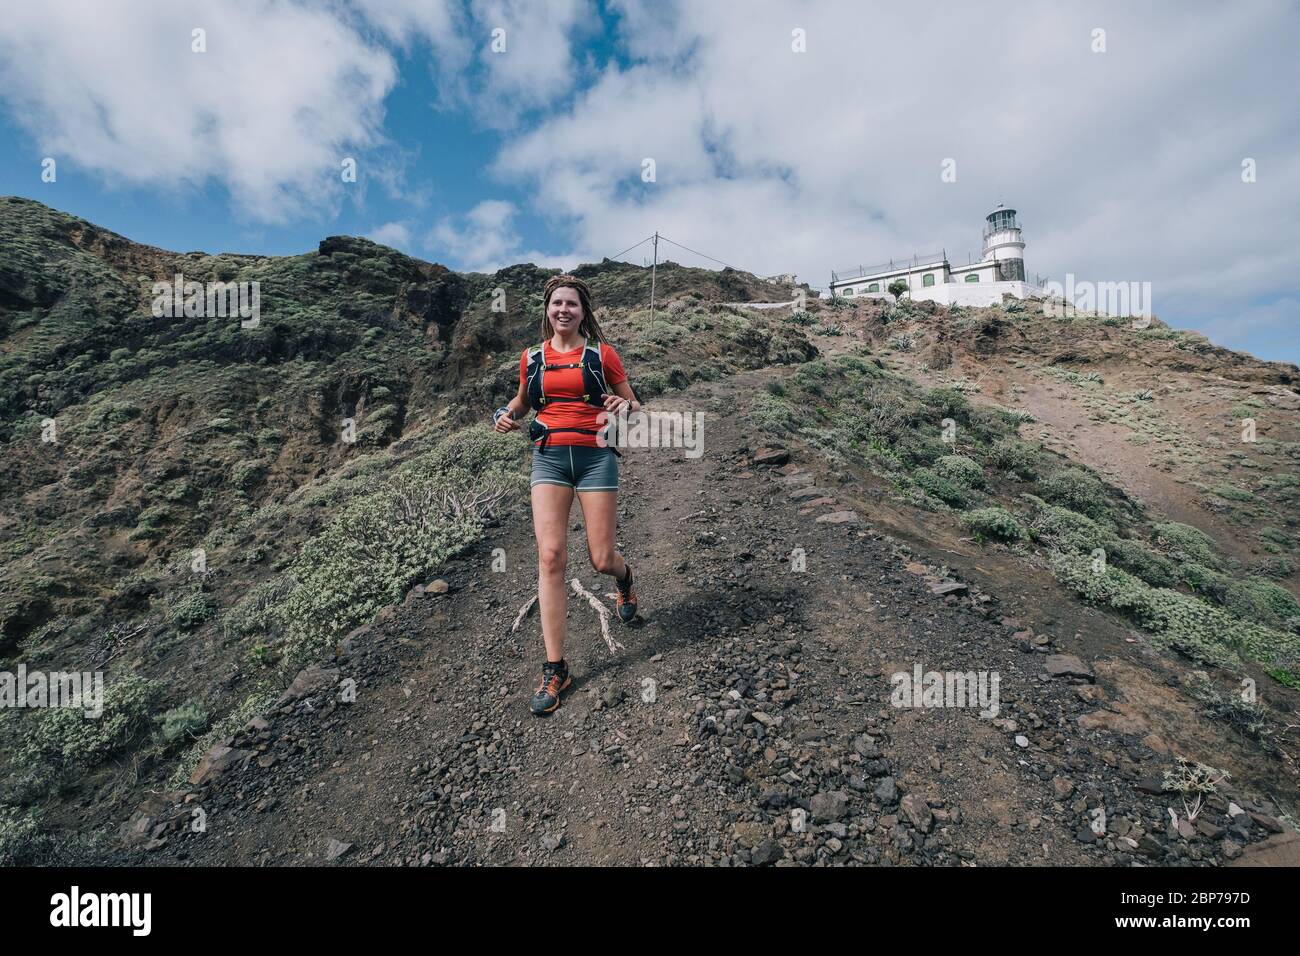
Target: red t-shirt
568,382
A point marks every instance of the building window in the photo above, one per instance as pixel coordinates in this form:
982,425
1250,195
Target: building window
848,291
973,277
928,280
874,287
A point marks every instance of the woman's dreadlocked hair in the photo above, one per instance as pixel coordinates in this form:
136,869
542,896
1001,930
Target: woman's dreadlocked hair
589,326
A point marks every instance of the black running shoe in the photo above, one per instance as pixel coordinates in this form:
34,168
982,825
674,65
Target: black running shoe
555,679
625,600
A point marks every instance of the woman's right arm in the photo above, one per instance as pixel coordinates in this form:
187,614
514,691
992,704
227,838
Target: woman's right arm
518,407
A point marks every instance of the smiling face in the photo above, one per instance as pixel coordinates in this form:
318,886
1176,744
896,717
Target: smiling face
565,310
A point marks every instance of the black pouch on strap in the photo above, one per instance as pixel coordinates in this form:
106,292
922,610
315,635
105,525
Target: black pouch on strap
540,432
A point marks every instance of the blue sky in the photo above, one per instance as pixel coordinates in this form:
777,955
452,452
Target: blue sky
785,137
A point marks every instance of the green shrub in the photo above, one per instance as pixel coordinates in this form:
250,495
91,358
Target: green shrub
19,829
120,412
184,721
1232,493
960,470
402,528
937,486
1189,625
148,523
1077,490
1254,598
177,490
995,523
67,736
1277,567
1136,558
774,414
941,403
1066,529
256,703
190,610
1015,417
247,473
1186,543
1277,536
1284,676
813,377
651,384
1013,457
255,612
1197,576
893,414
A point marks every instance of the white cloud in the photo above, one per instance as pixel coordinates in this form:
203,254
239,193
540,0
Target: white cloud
282,95
395,234
487,240
284,92
536,66
439,22
495,76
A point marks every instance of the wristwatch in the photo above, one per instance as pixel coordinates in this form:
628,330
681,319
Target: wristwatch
503,410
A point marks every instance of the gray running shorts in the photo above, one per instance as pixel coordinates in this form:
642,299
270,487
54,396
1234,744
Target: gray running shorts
580,467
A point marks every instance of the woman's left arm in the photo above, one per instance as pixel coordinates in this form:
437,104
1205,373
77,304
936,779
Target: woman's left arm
622,394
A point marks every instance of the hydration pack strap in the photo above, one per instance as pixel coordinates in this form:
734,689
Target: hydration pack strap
539,431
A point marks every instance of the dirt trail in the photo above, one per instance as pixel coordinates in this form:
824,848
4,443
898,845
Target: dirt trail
752,700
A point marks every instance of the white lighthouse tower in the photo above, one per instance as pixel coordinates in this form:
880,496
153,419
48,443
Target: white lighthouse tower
1003,245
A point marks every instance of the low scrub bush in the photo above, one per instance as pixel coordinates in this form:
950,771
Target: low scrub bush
1077,490
960,470
397,532
66,737
995,523
937,486
1191,626
1185,543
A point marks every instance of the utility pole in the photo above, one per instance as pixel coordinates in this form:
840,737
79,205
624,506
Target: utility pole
653,270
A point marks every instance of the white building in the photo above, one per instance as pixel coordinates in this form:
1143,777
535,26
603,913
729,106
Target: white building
1000,271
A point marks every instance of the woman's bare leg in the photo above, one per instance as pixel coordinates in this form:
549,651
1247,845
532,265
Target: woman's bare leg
551,506
600,512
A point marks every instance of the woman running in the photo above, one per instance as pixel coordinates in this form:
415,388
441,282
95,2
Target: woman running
576,382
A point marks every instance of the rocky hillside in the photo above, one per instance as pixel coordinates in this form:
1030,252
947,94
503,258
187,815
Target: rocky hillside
295,620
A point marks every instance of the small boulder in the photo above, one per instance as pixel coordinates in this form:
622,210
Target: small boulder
917,812
309,681
771,456
1067,665
838,517
829,805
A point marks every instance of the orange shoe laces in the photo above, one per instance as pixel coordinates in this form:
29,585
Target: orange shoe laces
551,683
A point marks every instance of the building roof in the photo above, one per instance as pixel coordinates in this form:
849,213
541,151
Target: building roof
893,266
